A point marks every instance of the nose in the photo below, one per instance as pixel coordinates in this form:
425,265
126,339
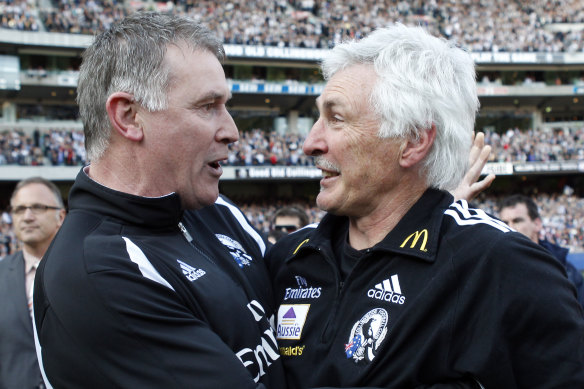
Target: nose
315,143
228,132
28,215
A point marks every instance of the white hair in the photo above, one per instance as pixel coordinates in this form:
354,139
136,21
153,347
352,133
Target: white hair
422,80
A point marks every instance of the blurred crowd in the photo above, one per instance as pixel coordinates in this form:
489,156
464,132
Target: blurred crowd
477,25
515,145
265,148
51,148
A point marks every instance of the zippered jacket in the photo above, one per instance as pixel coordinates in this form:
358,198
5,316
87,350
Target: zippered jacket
450,296
124,299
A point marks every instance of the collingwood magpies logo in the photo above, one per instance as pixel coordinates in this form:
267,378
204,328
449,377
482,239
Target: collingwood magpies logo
236,250
367,335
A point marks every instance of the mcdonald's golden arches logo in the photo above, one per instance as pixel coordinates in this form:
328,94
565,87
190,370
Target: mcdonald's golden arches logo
415,237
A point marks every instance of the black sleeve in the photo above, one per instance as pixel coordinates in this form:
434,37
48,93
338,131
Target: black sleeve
130,332
522,317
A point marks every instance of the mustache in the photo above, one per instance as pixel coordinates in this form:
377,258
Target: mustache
325,164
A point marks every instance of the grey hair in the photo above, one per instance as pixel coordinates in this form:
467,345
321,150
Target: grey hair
422,80
129,57
43,181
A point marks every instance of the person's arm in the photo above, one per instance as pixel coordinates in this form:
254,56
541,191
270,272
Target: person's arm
471,186
121,329
523,324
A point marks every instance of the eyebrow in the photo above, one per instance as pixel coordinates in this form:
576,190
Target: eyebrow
327,104
215,96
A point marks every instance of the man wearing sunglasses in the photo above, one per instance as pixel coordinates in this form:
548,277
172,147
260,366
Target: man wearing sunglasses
286,220
37,211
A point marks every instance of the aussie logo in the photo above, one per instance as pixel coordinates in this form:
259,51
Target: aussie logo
414,238
388,290
236,250
192,273
303,291
291,319
367,335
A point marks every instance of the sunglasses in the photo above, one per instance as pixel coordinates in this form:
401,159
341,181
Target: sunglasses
285,227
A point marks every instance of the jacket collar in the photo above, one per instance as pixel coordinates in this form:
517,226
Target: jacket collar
88,195
416,235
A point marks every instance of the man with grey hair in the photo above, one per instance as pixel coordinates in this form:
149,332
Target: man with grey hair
401,286
37,212
127,296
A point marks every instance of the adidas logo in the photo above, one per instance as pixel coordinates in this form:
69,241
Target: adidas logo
388,290
190,272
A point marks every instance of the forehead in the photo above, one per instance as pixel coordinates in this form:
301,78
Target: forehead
33,193
287,220
195,71
514,211
348,87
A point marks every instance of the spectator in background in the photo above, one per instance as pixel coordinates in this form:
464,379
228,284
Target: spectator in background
37,212
286,220
520,213
399,285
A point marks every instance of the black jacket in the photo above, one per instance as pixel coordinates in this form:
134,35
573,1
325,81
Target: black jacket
124,299
561,254
449,295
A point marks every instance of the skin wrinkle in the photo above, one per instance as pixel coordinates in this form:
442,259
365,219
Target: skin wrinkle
346,136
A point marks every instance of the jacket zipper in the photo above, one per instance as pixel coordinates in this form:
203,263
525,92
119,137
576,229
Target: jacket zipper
191,241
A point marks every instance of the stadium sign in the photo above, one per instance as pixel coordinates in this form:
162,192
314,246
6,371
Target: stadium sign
548,167
271,52
278,172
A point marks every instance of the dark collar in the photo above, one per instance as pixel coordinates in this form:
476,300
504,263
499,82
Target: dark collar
88,195
417,233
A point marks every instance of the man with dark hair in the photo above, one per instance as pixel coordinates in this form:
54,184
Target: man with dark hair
155,281
520,212
289,219
37,213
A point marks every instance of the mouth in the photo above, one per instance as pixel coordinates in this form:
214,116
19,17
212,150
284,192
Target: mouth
216,166
328,173
328,169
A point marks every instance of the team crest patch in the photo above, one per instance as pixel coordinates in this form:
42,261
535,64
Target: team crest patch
236,250
367,335
291,319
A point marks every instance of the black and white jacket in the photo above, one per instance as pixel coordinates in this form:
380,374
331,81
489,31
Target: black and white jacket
125,299
449,296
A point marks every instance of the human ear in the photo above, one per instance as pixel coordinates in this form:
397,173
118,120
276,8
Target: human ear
121,110
415,150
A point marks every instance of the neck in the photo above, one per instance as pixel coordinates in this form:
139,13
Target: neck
125,174
366,231
36,250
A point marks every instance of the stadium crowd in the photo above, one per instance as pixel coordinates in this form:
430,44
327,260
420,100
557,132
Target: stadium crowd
52,148
478,25
264,148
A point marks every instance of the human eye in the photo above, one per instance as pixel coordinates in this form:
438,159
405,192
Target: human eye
18,210
38,207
